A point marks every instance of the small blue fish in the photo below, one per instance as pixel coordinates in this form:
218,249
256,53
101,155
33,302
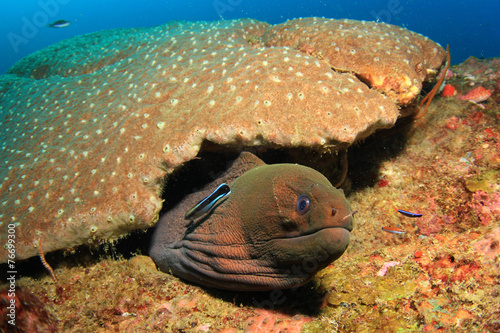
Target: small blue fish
206,204
409,214
59,24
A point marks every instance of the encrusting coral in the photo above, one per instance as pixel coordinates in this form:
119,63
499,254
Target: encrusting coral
91,126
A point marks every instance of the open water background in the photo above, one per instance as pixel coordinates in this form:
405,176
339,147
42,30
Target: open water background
472,28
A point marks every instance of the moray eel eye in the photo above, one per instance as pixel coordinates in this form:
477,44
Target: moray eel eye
303,204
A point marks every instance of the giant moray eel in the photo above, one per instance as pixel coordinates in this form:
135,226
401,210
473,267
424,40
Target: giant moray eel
280,224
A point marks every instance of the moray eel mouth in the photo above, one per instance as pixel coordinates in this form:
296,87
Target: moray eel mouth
347,224
322,245
337,237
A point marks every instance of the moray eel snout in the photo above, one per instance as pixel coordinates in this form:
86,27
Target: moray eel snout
279,225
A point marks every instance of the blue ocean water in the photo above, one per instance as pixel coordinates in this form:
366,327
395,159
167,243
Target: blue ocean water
471,28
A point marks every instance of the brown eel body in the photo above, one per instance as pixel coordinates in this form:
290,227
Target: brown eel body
280,224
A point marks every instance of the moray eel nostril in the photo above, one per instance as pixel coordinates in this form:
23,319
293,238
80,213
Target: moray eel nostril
257,227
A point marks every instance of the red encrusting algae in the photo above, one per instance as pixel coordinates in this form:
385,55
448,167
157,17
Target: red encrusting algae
448,91
479,94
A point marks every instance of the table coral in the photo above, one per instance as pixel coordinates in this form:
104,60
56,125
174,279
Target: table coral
391,59
92,125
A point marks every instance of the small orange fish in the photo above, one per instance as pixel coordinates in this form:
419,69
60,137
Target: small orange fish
479,94
393,230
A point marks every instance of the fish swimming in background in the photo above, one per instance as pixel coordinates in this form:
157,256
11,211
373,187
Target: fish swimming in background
264,227
478,95
409,214
59,24
393,230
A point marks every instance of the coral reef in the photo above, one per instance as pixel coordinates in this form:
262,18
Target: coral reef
112,113
474,72
444,166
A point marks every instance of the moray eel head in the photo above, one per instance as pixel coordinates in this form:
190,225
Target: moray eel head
278,227
307,222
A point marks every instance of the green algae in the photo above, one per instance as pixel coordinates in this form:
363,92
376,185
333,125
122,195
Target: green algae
486,181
